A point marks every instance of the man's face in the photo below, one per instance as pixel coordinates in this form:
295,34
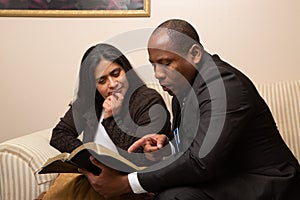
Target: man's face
174,72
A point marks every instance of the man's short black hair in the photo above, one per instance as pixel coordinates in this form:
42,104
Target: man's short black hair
182,34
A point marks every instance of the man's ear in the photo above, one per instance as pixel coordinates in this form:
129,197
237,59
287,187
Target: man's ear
196,53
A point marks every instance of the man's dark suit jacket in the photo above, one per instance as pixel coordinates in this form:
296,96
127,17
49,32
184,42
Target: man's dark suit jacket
230,143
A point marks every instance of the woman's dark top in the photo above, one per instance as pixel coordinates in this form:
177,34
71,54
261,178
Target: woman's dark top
123,129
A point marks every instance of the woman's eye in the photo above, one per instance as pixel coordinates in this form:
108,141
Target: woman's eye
116,73
101,81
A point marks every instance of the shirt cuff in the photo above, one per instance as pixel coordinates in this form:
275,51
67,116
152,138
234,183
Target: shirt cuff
173,150
135,184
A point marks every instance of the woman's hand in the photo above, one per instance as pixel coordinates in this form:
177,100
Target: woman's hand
112,104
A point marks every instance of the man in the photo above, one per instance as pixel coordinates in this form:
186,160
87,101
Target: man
226,141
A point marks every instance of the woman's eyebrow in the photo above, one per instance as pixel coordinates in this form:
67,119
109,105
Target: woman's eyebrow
114,70
110,73
97,79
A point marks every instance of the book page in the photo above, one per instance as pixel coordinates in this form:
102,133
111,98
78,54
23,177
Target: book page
101,150
80,158
63,157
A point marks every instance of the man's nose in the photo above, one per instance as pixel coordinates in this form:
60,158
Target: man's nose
159,71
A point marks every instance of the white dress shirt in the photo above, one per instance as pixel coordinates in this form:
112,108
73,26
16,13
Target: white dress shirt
103,138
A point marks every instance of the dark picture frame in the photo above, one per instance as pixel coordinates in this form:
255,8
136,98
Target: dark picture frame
75,8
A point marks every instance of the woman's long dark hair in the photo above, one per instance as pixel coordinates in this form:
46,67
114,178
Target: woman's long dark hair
87,95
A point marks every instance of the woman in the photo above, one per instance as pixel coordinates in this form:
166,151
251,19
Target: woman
112,106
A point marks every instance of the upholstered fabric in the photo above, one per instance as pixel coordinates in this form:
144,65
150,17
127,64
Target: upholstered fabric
283,99
20,159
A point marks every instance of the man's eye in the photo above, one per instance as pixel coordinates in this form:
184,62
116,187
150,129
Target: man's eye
166,62
164,65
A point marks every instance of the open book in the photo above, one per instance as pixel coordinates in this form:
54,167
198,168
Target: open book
80,158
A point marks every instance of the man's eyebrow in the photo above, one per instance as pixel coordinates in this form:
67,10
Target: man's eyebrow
160,60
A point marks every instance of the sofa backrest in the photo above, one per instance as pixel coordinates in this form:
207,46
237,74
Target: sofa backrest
283,99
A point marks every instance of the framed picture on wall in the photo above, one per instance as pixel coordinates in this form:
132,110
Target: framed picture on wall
75,8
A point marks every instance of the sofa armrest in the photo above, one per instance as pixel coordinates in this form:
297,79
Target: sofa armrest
20,160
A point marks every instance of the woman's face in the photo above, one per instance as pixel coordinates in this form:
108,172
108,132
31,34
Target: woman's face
110,78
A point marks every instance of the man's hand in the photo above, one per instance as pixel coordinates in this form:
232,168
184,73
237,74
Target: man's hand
110,182
112,104
152,143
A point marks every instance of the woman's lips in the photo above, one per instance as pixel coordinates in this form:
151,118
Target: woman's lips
115,91
118,90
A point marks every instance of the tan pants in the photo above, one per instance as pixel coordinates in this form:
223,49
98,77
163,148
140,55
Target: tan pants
77,187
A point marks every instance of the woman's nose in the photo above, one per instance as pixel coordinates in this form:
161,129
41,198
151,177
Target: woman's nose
112,82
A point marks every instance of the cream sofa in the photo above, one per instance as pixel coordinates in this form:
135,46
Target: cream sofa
20,158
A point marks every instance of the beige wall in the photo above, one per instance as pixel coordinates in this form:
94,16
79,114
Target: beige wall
40,56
